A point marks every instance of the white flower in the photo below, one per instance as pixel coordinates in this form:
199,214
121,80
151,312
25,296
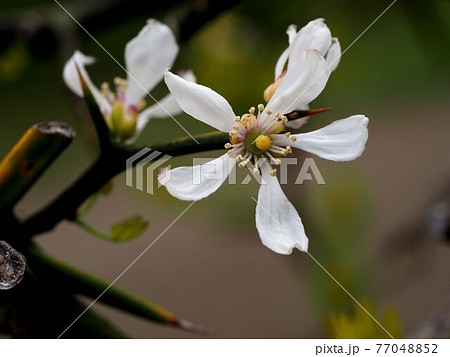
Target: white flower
259,134
314,36
146,57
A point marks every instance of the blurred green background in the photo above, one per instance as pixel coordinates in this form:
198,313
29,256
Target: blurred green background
210,267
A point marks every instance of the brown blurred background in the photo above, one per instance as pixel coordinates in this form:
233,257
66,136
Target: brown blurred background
365,225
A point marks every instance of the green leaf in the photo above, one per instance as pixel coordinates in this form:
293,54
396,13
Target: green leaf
128,229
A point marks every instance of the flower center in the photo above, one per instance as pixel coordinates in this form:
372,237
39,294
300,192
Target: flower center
257,141
257,136
122,117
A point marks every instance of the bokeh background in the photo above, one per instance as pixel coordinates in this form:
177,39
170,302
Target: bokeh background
367,226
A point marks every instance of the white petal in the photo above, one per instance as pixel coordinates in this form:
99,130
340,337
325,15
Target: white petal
301,84
342,140
191,183
146,57
298,123
281,62
314,36
72,79
201,102
292,33
166,107
279,225
334,55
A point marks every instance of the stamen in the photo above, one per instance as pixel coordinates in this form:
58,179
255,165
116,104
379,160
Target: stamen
252,110
238,118
273,172
228,146
273,159
293,138
230,153
269,111
288,134
260,107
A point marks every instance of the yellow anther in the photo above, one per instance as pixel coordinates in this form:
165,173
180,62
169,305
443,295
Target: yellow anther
288,134
239,158
277,161
287,151
269,111
230,153
279,128
278,114
228,146
256,171
241,164
238,118
235,127
293,138
260,107
251,110
273,172
263,142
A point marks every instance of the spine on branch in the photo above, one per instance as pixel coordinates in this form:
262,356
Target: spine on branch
30,157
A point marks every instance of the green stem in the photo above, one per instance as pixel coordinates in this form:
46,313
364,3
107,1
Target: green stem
92,230
89,205
110,163
80,282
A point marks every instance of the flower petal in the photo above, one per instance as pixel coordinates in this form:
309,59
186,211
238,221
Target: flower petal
279,225
201,102
191,183
281,63
72,79
146,57
298,123
167,106
334,55
301,84
342,140
314,36
292,33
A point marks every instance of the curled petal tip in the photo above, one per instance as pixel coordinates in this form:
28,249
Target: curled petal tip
152,21
364,120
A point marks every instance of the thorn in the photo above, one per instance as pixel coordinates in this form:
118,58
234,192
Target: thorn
297,114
